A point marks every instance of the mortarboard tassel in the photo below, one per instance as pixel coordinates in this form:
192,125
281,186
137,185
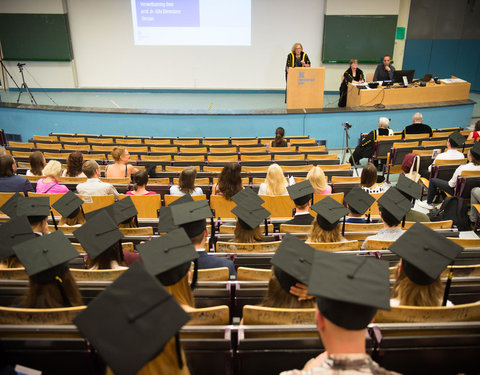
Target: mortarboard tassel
59,283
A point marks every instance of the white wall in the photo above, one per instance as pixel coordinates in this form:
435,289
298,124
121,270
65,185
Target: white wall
105,56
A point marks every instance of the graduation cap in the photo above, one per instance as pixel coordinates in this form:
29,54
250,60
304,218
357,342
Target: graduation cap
408,187
456,139
191,216
69,205
395,203
34,207
349,289
475,150
165,218
425,253
131,321
250,217
292,262
358,200
10,206
98,234
329,212
121,211
15,231
301,192
247,198
168,257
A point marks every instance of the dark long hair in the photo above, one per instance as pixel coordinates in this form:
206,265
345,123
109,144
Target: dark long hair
104,259
140,179
230,180
369,175
74,164
244,235
6,165
37,163
186,181
279,134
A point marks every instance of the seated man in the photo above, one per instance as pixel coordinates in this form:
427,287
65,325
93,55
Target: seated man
454,141
93,185
384,71
418,127
358,202
301,194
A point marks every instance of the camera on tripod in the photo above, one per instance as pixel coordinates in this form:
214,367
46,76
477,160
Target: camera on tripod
346,125
20,65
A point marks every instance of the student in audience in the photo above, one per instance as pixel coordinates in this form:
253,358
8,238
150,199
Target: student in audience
120,168
13,232
37,163
418,127
325,227
275,182
476,133
93,185
412,191
51,284
474,199
229,182
302,195
186,183
70,207
2,151
9,181
319,181
418,280
342,318
140,180
368,180
49,184
74,165
358,202
279,141
449,186
454,141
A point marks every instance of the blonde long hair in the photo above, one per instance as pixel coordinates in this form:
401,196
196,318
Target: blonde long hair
275,180
317,178
318,234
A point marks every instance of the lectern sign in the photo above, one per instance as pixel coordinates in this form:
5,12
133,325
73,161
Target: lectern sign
305,88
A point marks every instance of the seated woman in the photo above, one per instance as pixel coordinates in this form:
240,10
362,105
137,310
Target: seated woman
476,133
275,182
250,214
352,74
368,180
49,184
325,227
140,180
186,183
37,163
74,165
279,141
9,181
120,168
70,207
13,232
229,182
319,181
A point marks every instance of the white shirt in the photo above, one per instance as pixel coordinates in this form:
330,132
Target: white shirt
262,190
451,154
93,186
465,167
175,190
64,174
384,234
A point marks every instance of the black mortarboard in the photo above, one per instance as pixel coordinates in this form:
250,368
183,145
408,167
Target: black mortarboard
301,192
329,212
475,150
247,198
46,257
425,253
120,211
456,139
168,257
10,207
408,187
34,206
395,203
15,231
165,218
359,200
131,321
98,234
250,217
349,289
292,262
69,205
191,216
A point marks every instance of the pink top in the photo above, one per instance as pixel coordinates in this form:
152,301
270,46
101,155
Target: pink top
50,187
131,192
327,190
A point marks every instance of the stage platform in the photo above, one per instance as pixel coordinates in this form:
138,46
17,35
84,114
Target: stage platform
208,113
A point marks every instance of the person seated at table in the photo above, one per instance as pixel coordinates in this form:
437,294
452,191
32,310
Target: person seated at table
301,194
418,280
385,70
9,181
352,75
51,285
418,127
279,140
358,202
74,165
369,178
49,184
476,133
325,227
120,168
275,182
229,181
250,214
70,207
37,163
140,181
186,183
319,181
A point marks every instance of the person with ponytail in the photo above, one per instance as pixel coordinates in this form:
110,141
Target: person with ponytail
140,180
279,141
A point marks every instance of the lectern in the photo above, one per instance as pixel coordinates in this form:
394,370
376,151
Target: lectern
305,88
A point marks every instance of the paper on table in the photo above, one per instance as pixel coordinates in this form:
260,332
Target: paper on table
452,80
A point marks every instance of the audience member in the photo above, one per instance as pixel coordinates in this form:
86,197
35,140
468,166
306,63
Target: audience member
70,207
358,202
412,191
37,163
123,212
325,228
3,151
229,182
367,144
301,194
9,181
13,232
93,185
368,180
74,165
186,183
49,184
474,199
140,180
319,181
37,210
120,168
418,275
454,141
275,182
476,133
418,127
279,141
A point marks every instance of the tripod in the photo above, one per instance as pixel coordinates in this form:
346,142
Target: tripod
347,126
24,86
6,70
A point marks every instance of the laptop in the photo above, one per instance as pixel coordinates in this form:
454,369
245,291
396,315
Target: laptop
426,78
